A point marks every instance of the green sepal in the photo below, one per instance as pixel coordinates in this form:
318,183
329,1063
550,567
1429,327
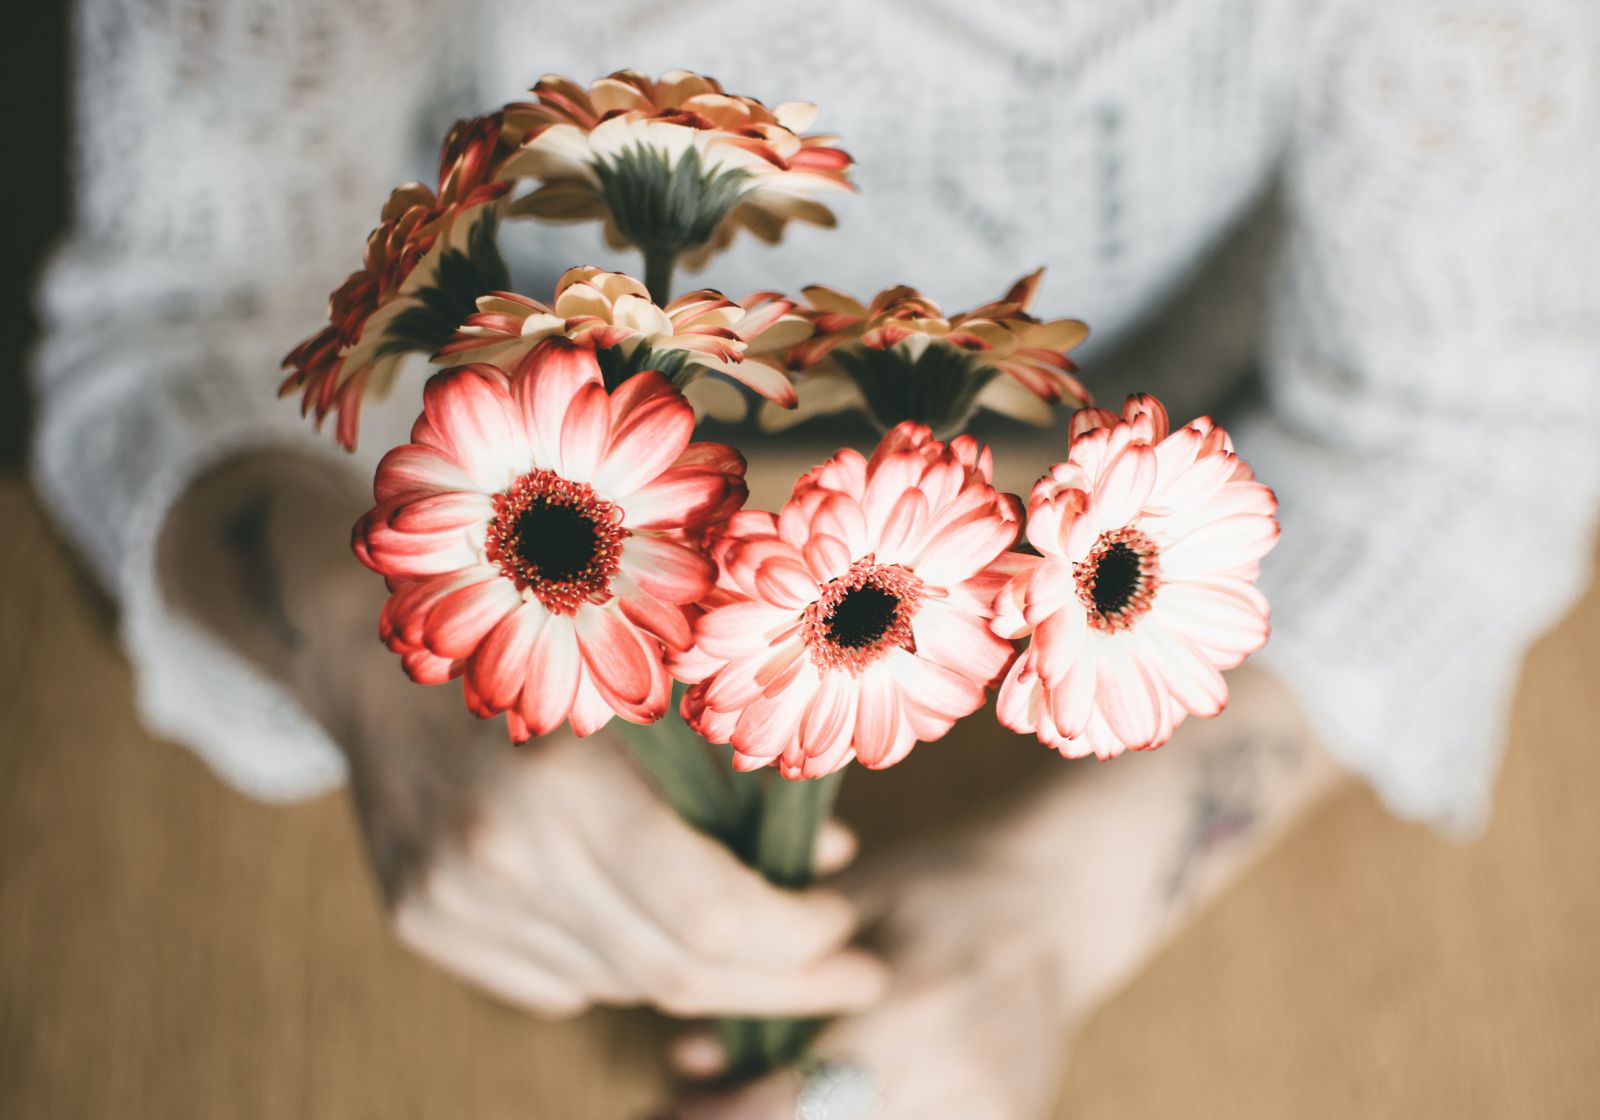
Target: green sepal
667,207
938,388
441,307
616,366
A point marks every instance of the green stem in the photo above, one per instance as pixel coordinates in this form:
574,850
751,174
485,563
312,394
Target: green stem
785,846
768,822
659,264
696,781
787,836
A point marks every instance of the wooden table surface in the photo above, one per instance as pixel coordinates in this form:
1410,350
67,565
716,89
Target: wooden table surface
170,949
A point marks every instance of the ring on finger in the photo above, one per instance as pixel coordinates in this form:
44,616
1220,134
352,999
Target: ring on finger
831,1089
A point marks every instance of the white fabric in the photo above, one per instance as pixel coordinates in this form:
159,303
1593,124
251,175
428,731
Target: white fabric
1432,361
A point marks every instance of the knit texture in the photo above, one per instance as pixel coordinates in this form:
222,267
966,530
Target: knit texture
1432,354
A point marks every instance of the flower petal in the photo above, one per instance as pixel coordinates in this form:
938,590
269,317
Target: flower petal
959,555
499,666
1184,670
585,432
413,468
1122,489
614,654
1227,621
648,435
786,583
1126,693
1071,699
959,640
681,498
827,557
591,711
880,727
544,384
1059,641
1218,546
462,619
666,620
672,571
468,413
739,628
830,719
769,725
555,666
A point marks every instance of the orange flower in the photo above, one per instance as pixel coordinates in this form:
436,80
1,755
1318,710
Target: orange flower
674,164
612,313
379,313
901,358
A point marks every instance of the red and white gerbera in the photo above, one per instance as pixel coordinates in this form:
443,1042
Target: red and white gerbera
538,535
855,622
1144,590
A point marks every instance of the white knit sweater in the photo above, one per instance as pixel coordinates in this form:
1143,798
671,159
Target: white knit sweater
1432,356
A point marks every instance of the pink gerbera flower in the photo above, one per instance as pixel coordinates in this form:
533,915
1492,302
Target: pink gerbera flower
855,622
538,537
1144,590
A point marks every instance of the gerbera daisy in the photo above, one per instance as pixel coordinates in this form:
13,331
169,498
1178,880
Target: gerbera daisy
613,314
673,166
404,298
901,358
536,535
855,622
1144,590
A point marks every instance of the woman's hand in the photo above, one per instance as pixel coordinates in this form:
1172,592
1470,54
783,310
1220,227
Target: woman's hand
555,877
573,884
552,876
973,1025
1020,925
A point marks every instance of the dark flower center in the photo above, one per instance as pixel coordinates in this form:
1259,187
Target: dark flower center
557,542
1118,580
557,539
862,617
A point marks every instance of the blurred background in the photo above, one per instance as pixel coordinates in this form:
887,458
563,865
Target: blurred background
169,948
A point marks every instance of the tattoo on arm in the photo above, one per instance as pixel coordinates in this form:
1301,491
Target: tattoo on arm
1225,803
246,537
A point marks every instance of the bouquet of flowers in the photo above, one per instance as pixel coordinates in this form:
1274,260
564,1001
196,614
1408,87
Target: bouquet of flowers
555,537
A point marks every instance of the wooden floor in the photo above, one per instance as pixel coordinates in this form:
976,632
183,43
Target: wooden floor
169,949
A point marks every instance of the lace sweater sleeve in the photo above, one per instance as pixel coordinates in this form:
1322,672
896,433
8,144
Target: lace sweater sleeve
228,160
1434,378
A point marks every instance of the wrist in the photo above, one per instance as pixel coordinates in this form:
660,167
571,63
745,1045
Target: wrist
257,552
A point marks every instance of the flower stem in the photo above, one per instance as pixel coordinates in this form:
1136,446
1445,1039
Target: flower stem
696,782
787,835
768,822
785,844
659,264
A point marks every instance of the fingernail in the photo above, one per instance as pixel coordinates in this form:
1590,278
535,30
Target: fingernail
836,847
699,1056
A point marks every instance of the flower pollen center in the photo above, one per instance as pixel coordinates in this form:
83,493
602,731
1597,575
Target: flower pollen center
556,539
859,617
1118,580
558,542
862,617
